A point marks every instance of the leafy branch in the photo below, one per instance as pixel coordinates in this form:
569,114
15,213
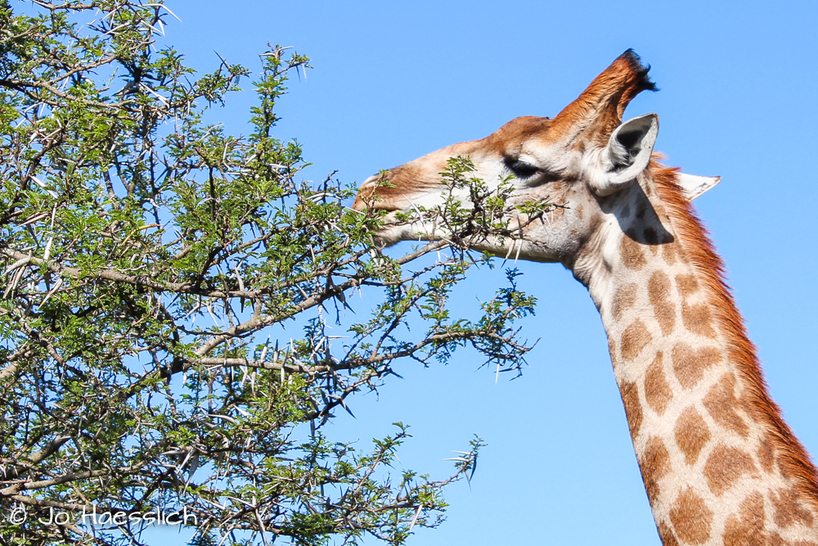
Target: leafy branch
172,296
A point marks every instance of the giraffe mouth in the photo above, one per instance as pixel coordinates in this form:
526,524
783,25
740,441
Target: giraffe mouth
371,199
377,194
405,225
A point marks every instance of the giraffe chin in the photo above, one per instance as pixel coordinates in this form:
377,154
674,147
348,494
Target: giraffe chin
505,247
395,231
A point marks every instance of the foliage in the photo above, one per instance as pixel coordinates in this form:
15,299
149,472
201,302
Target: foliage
167,298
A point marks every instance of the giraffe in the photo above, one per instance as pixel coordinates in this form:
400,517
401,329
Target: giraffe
719,464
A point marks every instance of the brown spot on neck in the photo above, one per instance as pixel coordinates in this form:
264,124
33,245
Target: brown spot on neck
654,463
660,299
691,518
689,364
670,253
725,466
698,319
766,455
631,253
745,528
657,392
687,285
788,510
634,339
633,408
623,299
691,434
723,406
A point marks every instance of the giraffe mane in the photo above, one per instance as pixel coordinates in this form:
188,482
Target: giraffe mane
695,240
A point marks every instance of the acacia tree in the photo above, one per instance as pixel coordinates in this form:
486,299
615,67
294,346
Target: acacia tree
167,292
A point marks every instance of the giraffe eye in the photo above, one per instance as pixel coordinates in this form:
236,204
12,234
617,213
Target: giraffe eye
519,168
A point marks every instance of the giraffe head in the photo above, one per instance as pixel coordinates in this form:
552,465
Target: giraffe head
574,165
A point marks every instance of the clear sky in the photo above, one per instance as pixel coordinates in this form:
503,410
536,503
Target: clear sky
395,80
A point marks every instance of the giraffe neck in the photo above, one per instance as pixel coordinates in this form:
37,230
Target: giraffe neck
719,464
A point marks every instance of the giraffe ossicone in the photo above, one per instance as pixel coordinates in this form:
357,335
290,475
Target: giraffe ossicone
719,464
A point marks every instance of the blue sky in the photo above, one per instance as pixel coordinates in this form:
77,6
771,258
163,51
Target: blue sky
395,80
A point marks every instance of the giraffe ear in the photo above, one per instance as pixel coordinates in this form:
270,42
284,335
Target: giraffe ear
693,186
628,153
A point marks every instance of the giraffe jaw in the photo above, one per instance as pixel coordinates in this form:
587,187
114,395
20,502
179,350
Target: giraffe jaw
516,247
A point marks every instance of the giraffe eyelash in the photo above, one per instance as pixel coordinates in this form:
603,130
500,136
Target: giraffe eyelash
520,168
